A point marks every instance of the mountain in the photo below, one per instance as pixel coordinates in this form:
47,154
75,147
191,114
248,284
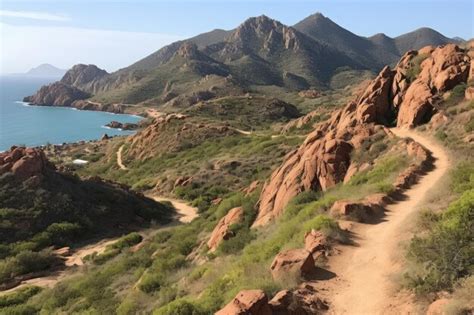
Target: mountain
419,38
260,52
46,70
374,52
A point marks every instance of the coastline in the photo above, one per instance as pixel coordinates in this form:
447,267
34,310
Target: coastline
114,132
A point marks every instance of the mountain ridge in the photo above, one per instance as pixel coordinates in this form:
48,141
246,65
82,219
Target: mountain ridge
259,52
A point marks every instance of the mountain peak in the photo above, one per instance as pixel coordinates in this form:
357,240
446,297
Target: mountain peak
260,22
46,69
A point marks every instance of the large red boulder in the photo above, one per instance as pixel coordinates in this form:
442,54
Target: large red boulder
301,301
23,162
443,69
292,263
222,230
324,158
315,241
247,302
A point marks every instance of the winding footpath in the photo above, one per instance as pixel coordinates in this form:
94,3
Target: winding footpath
185,213
364,281
119,159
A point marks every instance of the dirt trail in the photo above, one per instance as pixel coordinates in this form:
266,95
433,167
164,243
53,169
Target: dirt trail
364,273
185,212
119,159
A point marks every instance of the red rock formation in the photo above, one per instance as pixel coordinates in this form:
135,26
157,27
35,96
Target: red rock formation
222,230
324,158
247,302
301,301
358,210
469,93
293,262
443,69
252,187
23,162
315,241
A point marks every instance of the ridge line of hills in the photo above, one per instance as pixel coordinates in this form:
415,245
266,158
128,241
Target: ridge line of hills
261,52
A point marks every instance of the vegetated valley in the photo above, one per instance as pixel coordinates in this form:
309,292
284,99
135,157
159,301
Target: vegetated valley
278,170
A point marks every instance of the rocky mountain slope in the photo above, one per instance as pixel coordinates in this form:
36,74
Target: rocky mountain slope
324,159
259,52
375,51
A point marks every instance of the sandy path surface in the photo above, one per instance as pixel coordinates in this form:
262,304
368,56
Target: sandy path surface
119,159
364,273
186,212
154,113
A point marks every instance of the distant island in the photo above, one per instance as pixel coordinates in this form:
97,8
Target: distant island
44,70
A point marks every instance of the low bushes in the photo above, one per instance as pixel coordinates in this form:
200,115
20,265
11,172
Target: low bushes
18,297
26,262
445,254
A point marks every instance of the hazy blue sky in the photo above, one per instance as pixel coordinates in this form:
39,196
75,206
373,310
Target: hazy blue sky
113,34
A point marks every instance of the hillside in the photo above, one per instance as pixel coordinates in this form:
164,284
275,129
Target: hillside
261,53
298,214
42,207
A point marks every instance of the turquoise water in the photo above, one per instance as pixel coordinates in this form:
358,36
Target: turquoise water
21,124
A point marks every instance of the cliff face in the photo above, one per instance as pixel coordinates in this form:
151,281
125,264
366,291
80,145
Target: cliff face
84,77
56,94
324,158
77,84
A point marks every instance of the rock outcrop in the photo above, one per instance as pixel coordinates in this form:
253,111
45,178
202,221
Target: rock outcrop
247,302
84,77
170,133
24,163
222,230
301,301
89,105
292,263
324,159
443,69
315,241
56,94
77,84
124,126
363,211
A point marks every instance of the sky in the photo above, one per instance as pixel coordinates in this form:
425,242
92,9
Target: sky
115,33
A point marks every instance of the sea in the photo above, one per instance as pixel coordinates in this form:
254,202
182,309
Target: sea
25,125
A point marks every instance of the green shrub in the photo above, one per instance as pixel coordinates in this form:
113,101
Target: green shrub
415,67
105,256
26,262
19,296
379,173
469,127
150,282
446,254
127,241
441,135
179,307
462,177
